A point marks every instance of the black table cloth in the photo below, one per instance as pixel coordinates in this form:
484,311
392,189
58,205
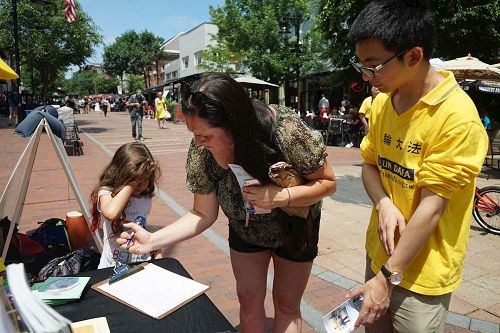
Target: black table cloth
199,315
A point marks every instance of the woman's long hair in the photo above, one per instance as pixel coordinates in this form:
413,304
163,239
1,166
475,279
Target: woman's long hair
222,102
132,162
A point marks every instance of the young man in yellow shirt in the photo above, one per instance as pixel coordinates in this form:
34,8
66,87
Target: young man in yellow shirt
366,107
425,147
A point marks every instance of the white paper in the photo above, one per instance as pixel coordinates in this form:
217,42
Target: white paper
36,315
342,318
94,325
242,176
154,290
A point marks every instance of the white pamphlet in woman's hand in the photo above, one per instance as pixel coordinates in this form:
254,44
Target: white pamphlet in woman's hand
245,179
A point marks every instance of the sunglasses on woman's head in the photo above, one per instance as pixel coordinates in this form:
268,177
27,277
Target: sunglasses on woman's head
198,98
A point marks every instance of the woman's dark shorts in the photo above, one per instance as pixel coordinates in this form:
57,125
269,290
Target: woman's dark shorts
306,254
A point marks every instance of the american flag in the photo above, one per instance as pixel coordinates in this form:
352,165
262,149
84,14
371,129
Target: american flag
69,12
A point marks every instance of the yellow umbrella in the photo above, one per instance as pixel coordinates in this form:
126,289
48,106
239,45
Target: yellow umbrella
6,72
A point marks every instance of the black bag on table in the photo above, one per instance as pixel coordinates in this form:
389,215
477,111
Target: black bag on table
81,260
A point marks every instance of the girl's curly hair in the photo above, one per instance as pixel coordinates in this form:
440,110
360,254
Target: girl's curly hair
132,162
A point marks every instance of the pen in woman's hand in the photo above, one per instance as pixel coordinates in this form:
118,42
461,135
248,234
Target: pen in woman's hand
140,221
130,240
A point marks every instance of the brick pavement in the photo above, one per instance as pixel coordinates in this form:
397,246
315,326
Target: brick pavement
205,257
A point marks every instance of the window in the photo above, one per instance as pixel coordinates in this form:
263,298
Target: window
197,58
185,62
167,76
174,75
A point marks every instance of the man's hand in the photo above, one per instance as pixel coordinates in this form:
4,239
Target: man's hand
376,297
389,217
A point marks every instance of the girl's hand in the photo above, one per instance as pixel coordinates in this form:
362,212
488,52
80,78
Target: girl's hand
140,239
389,218
266,196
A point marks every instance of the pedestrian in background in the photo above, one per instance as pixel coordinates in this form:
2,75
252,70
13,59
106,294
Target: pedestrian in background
105,106
97,107
136,105
365,109
228,128
160,110
14,102
425,147
352,127
324,109
4,109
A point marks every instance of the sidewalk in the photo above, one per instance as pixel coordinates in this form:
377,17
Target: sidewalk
340,265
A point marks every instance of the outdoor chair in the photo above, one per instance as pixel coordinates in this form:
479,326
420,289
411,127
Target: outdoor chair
493,157
334,131
72,143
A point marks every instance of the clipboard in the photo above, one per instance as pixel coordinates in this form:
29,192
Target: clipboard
172,289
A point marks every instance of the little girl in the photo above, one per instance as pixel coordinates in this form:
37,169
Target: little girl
124,192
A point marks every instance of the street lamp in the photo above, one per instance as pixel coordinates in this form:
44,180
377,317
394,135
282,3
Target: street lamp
295,21
16,43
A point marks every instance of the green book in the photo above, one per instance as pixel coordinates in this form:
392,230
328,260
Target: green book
60,290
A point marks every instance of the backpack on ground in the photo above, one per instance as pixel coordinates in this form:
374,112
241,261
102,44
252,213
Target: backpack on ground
52,234
23,249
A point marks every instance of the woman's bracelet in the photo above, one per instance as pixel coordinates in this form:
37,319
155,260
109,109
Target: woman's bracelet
288,191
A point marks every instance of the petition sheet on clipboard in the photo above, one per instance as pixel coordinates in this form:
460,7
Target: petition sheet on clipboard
165,291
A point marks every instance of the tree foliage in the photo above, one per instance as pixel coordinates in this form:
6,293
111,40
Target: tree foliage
89,83
47,43
134,82
250,35
133,53
462,27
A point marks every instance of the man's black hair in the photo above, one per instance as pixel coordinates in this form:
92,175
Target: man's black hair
399,24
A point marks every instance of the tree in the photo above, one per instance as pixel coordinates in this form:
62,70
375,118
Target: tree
462,27
104,84
133,53
47,43
250,34
81,82
134,82
89,83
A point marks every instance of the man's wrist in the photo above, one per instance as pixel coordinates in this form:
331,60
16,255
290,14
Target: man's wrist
382,202
382,279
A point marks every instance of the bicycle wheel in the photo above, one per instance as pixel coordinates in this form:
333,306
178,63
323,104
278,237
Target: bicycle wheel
486,210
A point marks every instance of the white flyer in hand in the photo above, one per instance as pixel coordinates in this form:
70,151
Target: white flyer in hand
342,318
245,179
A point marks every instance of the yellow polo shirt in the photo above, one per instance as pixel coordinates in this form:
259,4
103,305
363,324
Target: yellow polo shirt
366,106
439,144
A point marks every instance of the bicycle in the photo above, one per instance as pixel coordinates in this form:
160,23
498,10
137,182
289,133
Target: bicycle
486,210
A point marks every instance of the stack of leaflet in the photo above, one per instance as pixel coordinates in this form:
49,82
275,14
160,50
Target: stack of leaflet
60,290
35,315
8,322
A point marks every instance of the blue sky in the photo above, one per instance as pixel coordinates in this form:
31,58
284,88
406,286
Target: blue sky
165,18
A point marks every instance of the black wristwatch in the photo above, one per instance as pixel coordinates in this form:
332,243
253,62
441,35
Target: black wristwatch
394,278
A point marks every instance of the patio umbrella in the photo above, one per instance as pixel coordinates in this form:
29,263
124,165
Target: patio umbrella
250,80
472,68
6,72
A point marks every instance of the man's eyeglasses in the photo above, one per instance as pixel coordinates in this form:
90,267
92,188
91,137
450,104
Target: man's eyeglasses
370,72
